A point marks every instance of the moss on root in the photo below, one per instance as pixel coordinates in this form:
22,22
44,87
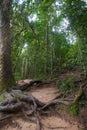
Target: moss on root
73,109
74,106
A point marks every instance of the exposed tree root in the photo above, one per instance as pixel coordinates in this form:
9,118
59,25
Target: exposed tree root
36,83
53,102
26,86
78,96
17,101
6,117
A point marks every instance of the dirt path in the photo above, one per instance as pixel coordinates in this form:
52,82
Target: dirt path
44,94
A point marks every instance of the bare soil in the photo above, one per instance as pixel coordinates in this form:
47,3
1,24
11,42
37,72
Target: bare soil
51,121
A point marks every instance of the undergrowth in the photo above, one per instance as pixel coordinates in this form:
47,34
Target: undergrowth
67,84
74,107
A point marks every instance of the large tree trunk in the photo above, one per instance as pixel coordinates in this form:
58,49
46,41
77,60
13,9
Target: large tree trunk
6,77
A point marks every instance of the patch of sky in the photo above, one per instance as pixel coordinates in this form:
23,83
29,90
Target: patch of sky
32,17
24,47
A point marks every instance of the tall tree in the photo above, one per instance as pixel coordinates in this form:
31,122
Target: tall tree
6,77
76,10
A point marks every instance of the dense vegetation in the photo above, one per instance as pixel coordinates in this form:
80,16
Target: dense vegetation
48,36
40,39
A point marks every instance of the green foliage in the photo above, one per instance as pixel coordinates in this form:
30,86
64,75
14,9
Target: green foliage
1,97
73,108
71,57
78,103
82,101
40,26
75,11
17,76
68,84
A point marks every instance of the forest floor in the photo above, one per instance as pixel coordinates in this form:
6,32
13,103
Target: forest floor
57,121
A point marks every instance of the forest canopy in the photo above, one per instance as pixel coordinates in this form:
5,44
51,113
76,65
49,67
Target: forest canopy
47,36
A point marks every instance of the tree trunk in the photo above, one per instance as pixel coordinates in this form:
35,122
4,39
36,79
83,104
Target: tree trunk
6,77
47,47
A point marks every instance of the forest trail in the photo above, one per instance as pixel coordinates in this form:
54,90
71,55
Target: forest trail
51,122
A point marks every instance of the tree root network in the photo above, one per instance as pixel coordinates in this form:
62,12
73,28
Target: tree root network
18,100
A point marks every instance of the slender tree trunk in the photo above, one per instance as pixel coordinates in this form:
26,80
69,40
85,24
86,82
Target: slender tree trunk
25,68
51,59
6,77
47,47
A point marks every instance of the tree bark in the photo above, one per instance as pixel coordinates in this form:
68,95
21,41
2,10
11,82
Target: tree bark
6,77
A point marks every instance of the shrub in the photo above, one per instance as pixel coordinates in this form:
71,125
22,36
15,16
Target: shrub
68,84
